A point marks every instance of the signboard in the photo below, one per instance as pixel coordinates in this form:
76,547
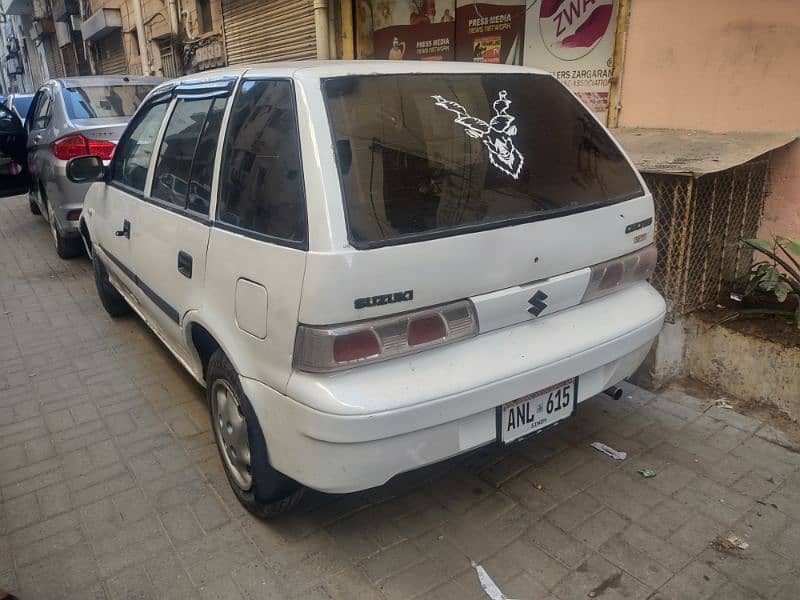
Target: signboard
490,32
406,29
574,40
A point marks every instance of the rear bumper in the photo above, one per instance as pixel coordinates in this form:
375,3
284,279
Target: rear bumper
63,197
356,429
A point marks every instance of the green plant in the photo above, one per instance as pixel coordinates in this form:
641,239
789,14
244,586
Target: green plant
778,274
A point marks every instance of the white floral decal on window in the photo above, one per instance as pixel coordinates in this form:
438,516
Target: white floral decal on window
496,135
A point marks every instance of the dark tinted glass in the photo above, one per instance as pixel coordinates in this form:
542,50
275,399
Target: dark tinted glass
94,102
132,156
261,180
422,154
9,123
174,165
203,166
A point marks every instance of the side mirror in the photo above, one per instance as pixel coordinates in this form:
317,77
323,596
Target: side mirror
84,169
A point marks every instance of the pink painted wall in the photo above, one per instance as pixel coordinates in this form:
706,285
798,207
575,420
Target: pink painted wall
721,65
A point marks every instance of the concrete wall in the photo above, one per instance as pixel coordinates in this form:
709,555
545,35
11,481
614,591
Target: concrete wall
744,366
722,65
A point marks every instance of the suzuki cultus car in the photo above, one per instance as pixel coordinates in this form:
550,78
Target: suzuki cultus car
375,266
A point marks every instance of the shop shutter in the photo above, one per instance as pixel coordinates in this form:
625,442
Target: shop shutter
112,55
262,31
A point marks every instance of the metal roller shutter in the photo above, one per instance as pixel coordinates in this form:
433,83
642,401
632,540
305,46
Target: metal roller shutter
112,55
261,31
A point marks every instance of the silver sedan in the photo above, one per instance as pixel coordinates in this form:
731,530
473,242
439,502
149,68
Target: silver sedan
72,117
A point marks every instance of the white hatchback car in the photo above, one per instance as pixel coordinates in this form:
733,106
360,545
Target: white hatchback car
375,266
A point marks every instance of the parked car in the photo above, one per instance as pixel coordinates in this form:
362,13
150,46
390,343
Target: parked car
19,103
73,117
374,266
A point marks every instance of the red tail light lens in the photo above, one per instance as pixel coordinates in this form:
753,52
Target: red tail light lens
355,346
621,272
74,215
76,145
323,349
102,148
426,330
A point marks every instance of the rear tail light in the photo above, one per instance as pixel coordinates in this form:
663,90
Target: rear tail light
76,145
322,349
74,214
620,272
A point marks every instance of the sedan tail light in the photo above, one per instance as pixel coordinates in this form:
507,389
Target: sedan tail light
612,275
323,349
75,145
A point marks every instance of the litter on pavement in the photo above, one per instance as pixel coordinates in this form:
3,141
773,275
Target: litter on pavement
488,584
731,541
615,454
722,403
647,473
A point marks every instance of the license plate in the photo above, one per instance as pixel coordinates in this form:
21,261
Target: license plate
536,411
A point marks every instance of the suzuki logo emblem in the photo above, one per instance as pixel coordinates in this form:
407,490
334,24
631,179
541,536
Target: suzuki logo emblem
537,303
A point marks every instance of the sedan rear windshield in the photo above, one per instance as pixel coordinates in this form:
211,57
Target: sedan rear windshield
423,156
98,101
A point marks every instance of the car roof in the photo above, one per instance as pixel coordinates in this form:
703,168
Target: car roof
96,80
336,68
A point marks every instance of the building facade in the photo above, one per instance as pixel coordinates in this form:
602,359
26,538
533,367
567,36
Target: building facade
722,66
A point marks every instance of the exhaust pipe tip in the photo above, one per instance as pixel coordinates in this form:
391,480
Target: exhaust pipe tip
614,392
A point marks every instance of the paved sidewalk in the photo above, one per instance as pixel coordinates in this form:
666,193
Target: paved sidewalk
111,485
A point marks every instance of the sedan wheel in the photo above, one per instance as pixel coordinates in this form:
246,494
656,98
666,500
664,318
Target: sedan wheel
230,428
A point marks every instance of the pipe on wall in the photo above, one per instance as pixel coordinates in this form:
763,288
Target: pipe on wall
321,29
173,17
143,50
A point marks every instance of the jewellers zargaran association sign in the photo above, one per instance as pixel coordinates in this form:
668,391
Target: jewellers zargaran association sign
574,40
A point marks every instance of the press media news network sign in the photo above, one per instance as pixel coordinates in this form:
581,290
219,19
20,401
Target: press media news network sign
573,39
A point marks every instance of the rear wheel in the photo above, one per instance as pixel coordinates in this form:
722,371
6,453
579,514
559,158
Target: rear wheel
261,489
66,247
110,298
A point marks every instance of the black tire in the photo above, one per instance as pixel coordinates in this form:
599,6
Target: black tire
66,247
110,298
34,207
271,492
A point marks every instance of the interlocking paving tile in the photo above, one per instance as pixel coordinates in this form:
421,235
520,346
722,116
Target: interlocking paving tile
111,486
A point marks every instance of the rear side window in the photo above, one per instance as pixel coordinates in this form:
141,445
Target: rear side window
261,179
132,156
43,110
428,155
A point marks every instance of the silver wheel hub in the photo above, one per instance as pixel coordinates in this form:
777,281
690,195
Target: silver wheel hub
230,429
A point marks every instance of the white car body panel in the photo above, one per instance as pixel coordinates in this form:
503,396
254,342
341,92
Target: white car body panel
357,428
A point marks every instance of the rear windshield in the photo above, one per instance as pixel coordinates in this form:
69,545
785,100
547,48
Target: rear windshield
94,102
428,155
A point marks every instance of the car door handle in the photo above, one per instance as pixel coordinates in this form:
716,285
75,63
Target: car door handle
185,264
125,231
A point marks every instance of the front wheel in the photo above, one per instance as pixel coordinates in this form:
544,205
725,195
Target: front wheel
261,489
